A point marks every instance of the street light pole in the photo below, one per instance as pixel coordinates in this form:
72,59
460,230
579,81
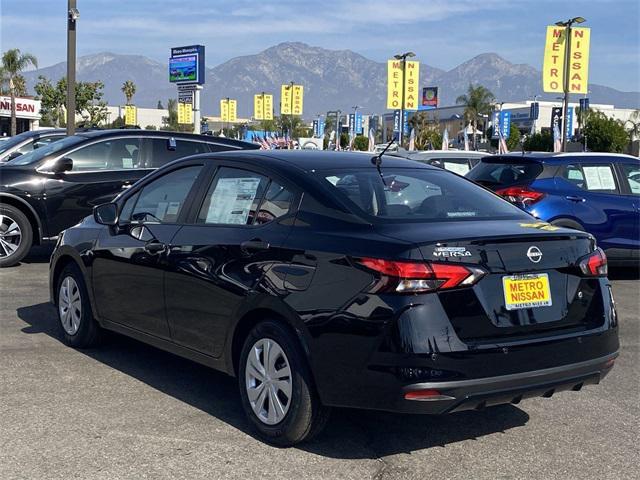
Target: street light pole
565,74
72,17
403,58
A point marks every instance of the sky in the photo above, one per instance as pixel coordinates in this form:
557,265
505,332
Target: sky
443,33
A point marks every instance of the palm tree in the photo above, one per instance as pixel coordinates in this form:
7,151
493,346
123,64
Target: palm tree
14,62
477,102
129,90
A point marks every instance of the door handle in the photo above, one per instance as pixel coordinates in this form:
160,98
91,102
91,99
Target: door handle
255,244
574,198
155,247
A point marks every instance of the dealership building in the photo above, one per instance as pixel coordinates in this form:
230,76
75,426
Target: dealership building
27,115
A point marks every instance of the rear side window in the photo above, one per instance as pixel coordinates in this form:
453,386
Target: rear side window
492,174
599,178
159,153
632,176
113,154
416,195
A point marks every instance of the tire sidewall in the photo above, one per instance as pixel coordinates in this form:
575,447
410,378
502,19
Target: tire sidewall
25,230
86,332
294,426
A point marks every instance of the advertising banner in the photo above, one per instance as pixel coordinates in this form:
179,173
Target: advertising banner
556,118
130,115
228,110
412,77
185,113
291,99
298,94
553,66
358,124
263,106
505,123
569,122
430,97
394,84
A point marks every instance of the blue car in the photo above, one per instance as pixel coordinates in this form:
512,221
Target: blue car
594,192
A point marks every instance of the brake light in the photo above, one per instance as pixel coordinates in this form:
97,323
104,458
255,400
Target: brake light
594,264
415,277
524,195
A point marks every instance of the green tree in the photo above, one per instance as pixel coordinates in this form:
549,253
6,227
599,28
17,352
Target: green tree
150,127
427,131
513,141
605,134
477,102
361,143
129,90
539,142
633,126
52,100
89,102
13,63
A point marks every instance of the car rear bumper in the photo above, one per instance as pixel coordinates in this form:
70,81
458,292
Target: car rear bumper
478,393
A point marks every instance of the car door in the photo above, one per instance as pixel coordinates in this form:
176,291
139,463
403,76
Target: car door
630,182
129,261
101,170
216,263
598,204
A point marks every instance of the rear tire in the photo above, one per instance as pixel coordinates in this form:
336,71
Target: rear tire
75,318
16,235
284,408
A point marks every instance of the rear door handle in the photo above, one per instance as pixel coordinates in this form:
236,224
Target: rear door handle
155,247
574,198
255,244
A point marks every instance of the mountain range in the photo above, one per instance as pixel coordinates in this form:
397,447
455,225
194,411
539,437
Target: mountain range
332,79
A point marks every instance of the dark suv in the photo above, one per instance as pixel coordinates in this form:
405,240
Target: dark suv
52,188
26,142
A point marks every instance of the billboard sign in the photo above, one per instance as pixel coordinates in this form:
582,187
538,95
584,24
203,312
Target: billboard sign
130,115
185,113
186,65
553,66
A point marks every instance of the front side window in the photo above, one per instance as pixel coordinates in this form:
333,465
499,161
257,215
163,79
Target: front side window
233,197
160,154
162,200
416,195
115,154
632,175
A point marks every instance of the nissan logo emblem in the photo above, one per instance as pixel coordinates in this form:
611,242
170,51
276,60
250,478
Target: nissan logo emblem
534,254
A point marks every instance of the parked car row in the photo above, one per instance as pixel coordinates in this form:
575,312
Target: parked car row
59,181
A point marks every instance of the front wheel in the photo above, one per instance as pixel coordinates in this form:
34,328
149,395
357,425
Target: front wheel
16,235
276,388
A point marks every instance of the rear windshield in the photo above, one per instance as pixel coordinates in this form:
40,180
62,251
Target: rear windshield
492,174
405,194
37,155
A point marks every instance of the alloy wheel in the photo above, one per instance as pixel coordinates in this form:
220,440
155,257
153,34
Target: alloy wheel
10,236
268,381
70,305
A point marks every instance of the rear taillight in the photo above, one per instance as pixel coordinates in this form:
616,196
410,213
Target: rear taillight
415,277
594,264
523,195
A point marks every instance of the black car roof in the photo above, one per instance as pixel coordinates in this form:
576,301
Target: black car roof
309,160
137,132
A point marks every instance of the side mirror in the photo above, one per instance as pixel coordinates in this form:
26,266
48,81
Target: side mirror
106,214
13,155
64,164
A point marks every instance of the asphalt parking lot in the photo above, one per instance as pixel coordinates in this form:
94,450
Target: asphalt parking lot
127,410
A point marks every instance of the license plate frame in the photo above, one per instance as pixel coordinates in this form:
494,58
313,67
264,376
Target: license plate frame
532,290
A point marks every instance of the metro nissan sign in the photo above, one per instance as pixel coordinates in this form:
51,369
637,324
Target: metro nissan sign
25,108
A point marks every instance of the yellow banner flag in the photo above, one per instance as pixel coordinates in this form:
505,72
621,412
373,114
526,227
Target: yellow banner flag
286,100
298,94
263,106
411,81
554,51
185,113
579,67
228,110
394,84
130,115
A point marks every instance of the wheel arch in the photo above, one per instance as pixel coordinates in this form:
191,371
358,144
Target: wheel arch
28,211
568,222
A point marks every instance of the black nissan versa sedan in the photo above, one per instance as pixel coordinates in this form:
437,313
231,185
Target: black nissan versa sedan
331,279
56,185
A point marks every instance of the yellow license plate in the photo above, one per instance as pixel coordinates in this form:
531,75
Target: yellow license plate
526,291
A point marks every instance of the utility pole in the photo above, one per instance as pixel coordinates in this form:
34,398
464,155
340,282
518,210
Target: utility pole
566,75
72,16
